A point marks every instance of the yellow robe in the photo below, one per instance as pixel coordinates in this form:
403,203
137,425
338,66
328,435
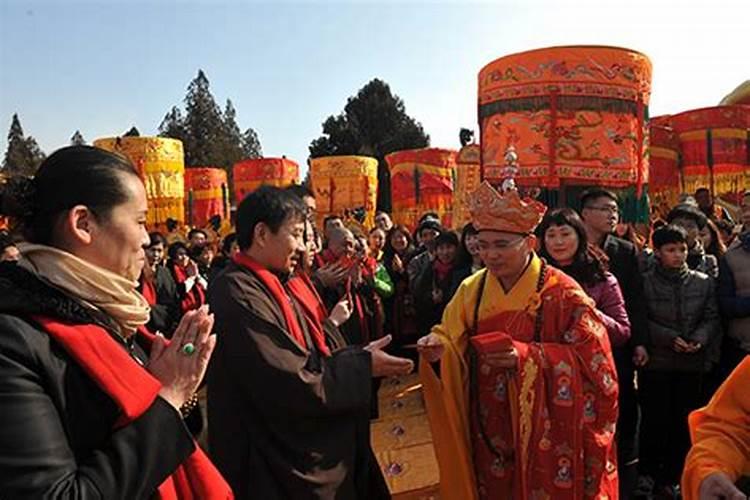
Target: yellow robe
447,398
720,433
449,418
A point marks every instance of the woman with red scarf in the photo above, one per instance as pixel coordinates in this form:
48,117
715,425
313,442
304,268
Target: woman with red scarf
314,310
191,286
92,404
438,282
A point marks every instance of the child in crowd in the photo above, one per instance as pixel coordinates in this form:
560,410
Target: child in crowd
683,319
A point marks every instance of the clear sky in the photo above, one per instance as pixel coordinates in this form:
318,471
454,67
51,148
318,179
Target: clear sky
102,67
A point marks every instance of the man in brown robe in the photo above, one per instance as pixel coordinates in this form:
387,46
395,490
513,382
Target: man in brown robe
287,418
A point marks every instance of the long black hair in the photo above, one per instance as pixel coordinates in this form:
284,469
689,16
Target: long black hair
464,256
588,266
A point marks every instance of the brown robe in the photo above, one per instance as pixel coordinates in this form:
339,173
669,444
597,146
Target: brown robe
284,421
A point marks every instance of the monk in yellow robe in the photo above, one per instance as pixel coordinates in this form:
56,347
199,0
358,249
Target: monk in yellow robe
526,402
720,433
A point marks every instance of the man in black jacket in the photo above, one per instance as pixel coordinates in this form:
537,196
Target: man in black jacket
600,214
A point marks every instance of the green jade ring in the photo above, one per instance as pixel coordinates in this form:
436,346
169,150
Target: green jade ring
188,349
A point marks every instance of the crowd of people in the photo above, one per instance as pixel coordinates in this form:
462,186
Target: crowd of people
562,352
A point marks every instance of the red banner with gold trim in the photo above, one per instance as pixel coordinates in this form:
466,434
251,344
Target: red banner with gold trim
206,188
422,180
574,114
250,174
665,183
714,148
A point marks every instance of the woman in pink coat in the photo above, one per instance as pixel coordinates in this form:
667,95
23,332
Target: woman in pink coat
563,241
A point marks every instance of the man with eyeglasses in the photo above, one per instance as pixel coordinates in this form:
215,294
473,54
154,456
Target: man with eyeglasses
526,402
600,214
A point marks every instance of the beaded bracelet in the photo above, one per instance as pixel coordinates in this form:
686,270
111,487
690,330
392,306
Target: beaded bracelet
189,405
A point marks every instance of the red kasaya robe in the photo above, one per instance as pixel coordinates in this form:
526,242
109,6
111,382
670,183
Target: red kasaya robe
542,431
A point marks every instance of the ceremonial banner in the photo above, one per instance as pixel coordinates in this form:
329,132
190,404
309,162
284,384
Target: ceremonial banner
344,185
575,115
468,178
161,164
714,149
206,193
249,175
422,181
665,180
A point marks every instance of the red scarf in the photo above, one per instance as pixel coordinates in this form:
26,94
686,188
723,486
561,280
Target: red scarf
307,297
370,265
148,290
358,307
442,270
134,390
193,299
326,257
274,286
318,260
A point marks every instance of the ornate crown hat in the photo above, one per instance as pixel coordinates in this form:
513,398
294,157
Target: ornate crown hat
504,210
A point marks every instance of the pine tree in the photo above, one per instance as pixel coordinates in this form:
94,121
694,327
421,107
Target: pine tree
231,141
209,136
373,123
203,125
173,125
251,147
77,139
23,155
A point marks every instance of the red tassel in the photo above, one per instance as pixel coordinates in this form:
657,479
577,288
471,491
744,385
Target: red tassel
639,173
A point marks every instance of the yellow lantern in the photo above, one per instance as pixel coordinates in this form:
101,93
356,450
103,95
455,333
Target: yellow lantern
161,164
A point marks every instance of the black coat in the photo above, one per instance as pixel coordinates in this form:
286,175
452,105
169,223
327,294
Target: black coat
166,313
56,425
430,313
623,263
680,305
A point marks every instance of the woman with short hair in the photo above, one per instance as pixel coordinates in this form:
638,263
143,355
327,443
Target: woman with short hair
92,404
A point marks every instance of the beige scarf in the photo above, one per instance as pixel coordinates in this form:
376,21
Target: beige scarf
93,285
